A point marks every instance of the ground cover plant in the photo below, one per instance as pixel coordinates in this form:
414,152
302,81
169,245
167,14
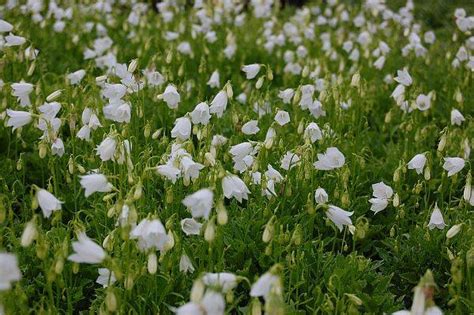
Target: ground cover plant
218,157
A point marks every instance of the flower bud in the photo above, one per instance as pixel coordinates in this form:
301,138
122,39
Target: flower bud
453,231
29,234
53,96
111,301
152,264
210,232
268,231
197,291
133,66
259,83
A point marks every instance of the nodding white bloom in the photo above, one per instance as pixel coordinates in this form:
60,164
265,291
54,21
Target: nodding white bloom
273,174
403,77
225,281
212,303
153,78
171,97
456,117
282,117
22,91
18,118
5,26
151,234
13,40
95,183
250,127
417,163
382,193
436,219
118,110
289,160
453,165
86,251
185,264
57,147
313,132
190,308
286,95
265,284
251,71
190,169
169,171
76,77
200,114
332,159
219,104
106,277
106,149
181,129
200,203
321,196
191,226
423,102
233,186
9,270
47,202
339,217
214,80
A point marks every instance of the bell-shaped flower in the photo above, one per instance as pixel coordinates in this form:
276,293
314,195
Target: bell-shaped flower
191,226
456,117
200,203
57,147
339,217
190,169
185,264
17,119
219,104
313,132
453,165
47,202
14,40
214,80
169,171
181,129
106,149
417,163
225,281
95,183
403,77
286,95
289,160
86,251
382,193
171,97
332,159
22,91
282,117
106,277
265,284
200,114
233,186
76,77
213,303
251,70
9,271
5,27
151,234
436,219
321,196
250,127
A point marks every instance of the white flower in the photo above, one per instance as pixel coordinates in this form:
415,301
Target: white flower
403,77
86,251
190,308
5,26
226,281
286,95
264,285
9,270
169,171
57,148
321,196
456,117
151,234
200,114
191,226
185,264
47,202
171,96
378,204
219,104
190,168
251,71
313,132
106,277
417,163
18,119
200,203
423,102
213,303
214,80
382,193
181,129
333,158
338,216
95,183
453,165
13,40
436,219
289,160
76,77
250,127
282,117
233,186
106,149
22,91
